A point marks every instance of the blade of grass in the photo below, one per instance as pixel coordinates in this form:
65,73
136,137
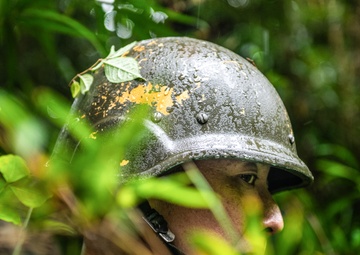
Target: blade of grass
214,202
81,30
20,242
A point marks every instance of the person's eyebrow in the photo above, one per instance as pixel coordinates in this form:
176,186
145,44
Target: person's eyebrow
251,165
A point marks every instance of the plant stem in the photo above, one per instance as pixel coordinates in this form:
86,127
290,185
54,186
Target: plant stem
85,71
21,240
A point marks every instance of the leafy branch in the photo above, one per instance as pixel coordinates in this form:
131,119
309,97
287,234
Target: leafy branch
118,68
17,185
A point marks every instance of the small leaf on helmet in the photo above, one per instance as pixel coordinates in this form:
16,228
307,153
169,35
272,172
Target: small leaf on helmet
75,89
121,69
118,68
119,52
85,82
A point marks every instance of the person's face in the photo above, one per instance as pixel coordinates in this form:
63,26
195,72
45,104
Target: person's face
235,181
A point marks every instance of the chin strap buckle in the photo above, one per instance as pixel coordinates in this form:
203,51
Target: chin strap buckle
157,222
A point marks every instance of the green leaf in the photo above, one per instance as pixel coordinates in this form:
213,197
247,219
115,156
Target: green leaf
338,151
119,52
52,105
112,51
46,15
75,89
85,82
207,243
9,207
59,227
3,183
331,167
9,214
121,69
30,193
170,190
13,168
12,111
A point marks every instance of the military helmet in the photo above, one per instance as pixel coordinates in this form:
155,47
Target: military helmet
205,102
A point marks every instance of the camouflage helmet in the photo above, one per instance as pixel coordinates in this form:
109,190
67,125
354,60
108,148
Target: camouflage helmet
204,102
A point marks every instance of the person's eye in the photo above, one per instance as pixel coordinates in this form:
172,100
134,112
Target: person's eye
249,178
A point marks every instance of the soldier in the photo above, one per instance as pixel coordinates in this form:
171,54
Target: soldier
209,106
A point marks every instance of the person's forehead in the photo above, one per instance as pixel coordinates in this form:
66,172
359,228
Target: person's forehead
229,164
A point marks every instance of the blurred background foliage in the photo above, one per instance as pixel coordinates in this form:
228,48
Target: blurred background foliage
310,50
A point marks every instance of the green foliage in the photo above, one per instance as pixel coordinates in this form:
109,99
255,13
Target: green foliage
174,189
16,185
212,200
56,22
121,69
211,245
118,68
13,168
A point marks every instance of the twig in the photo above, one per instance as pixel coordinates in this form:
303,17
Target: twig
85,71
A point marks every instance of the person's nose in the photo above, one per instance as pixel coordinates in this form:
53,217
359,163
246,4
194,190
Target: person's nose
272,220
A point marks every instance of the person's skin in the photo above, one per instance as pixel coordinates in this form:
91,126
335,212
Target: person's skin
234,181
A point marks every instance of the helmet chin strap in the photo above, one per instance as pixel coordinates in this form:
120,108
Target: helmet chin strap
159,225
157,222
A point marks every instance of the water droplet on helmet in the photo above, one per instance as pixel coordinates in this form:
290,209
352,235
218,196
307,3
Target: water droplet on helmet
182,77
157,117
202,118
177,92
169,109
196,78
225,155
176,105
167,90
